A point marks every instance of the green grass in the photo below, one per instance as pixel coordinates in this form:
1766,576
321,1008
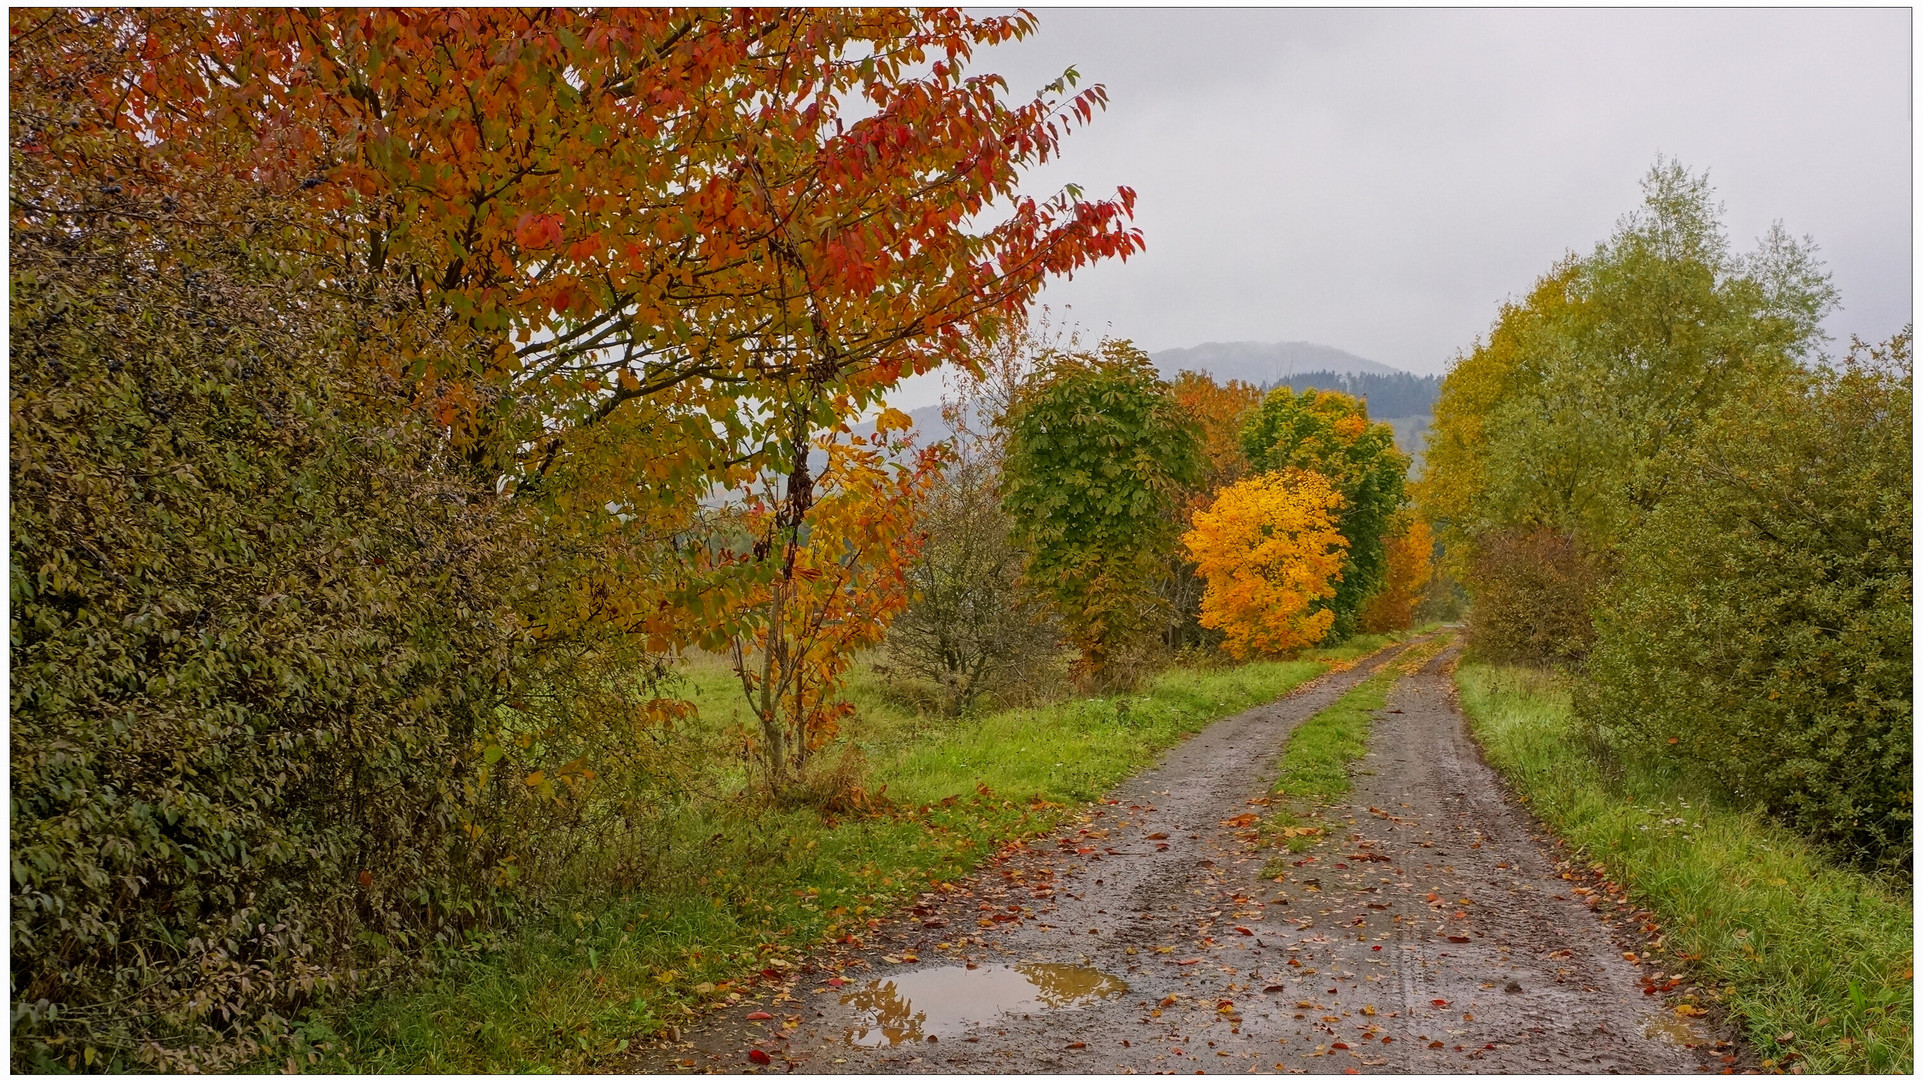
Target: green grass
1315,764
1790,944
736,886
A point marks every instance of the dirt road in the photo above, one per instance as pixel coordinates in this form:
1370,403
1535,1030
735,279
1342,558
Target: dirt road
1432,932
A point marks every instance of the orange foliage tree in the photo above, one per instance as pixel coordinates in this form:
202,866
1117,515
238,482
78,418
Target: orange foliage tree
1410,548
658,249
1270,553
1219,411
837,591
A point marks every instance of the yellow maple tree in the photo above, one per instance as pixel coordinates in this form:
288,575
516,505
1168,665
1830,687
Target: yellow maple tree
1270,555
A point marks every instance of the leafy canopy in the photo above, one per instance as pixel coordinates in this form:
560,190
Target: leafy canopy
1099,454
1269,551
1328,432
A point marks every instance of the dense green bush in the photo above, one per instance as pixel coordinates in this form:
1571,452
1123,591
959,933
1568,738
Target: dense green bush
258,622
1761,627
1098,456
1535,590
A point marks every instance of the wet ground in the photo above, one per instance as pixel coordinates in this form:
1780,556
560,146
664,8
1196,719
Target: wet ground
1431,931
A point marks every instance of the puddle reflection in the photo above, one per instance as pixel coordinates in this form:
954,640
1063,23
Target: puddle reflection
912,1005
1673,1028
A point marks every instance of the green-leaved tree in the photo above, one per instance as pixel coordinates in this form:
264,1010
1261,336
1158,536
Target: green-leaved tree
1098,455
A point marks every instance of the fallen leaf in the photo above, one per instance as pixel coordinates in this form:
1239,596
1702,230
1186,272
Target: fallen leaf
760,1016
1245,930
1439,1003
759,1057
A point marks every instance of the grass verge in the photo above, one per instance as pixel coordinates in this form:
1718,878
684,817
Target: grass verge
1812,961
740,887
1315,764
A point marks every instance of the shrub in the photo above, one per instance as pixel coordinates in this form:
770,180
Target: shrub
972,630
258,626
1533,592
1761,628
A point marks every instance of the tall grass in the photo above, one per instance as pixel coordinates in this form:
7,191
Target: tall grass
737,886
1813,961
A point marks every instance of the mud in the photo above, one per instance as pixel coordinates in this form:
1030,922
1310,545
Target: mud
1432,931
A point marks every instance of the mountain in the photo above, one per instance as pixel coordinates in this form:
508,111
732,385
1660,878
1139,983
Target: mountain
1263,363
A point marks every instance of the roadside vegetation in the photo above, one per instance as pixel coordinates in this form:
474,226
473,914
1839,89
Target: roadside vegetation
1686,524
740,889
1812,961
1652,475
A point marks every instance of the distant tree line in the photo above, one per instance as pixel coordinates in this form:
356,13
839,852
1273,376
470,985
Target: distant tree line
1390,396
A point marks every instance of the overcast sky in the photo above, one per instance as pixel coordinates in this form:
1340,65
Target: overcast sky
1380,180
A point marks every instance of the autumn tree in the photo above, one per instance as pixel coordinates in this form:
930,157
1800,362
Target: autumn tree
1568,418
1270,553
1760,631
1099,456
674,246
848,581
1218,411
1328,432
1409,548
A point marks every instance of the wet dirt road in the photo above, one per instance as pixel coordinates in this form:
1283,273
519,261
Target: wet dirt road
1431,931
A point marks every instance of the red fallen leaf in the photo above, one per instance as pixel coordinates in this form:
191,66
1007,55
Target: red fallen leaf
835,980
759,1057
1439,1003
1157,836
1649,989
1458,939
760,1016
770,973
1084,851
1076,1046
1387,1039
1186,963
1245,930
1341,866
1338,1046
1124,1042
1435,1044
1334,990
1375,948
1352,1071
1272,989
1161,847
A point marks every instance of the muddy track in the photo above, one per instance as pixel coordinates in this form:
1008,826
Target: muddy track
1430,932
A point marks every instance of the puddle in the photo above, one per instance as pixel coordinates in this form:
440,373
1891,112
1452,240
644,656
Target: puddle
1673,1029
912,1005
